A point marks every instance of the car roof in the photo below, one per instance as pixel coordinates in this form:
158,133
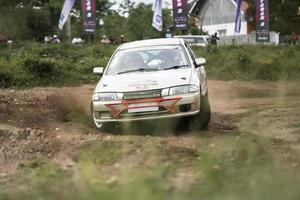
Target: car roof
151,42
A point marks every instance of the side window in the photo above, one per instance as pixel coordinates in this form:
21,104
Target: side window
190,52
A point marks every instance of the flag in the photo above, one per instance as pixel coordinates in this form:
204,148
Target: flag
157,15
262,21
68,5
89,16
238,19
180,14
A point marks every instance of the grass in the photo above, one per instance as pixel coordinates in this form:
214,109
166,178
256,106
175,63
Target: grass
34,64
246,169
237,167
41,179
251,62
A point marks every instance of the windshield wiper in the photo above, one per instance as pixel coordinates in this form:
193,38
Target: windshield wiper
138,70
175,67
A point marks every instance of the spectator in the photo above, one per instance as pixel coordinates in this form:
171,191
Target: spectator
112,40
105,40
3,39
77,40
214,39
55,40
168,34
294,38
47,39
122,40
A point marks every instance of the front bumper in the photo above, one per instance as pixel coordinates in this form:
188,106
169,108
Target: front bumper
146,109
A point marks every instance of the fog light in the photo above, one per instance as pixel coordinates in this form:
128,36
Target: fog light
105,115
185,107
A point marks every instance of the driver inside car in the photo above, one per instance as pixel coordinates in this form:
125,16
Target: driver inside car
170,58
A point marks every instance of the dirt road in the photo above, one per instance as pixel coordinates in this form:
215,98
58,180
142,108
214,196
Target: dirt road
52,123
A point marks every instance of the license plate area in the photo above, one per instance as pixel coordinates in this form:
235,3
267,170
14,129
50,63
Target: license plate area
142,107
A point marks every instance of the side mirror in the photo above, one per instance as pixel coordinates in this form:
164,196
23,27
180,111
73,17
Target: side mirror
200,61
98,70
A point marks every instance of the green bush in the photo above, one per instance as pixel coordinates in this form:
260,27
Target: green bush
28,64
249,62
41,67
6,79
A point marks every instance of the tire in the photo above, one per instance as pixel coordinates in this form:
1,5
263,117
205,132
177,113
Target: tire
202,119
205,112
197,122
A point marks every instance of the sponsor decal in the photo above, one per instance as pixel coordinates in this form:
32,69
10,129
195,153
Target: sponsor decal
145,83
141,87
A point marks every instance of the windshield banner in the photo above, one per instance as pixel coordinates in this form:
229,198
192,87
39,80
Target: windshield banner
89,15
180,16
262,21
68,5
157,16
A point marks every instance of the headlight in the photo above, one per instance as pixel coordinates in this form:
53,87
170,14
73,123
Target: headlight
165,92
184,89
107,96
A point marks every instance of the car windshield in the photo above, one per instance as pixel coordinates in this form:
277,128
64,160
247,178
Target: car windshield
146,59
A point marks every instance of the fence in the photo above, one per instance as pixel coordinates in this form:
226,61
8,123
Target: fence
248,39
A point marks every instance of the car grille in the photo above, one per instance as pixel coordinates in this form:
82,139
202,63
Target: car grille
142,94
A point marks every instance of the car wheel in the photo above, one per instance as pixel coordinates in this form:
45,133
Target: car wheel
205,112
202,119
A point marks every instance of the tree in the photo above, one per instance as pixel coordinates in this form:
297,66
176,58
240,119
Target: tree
127,7
38,24
114,25
103,7
281,12
139,23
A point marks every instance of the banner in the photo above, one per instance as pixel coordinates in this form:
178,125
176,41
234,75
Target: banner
157,15
68,5
180,16
262,21
89,15
238,17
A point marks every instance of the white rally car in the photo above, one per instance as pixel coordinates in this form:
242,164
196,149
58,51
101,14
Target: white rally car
152,79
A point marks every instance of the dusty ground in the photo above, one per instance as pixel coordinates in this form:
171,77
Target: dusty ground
51,123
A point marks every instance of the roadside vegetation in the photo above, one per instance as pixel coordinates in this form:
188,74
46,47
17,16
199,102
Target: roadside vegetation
236,166
35,64
248,62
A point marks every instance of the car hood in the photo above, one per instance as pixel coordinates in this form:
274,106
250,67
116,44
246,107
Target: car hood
144,80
